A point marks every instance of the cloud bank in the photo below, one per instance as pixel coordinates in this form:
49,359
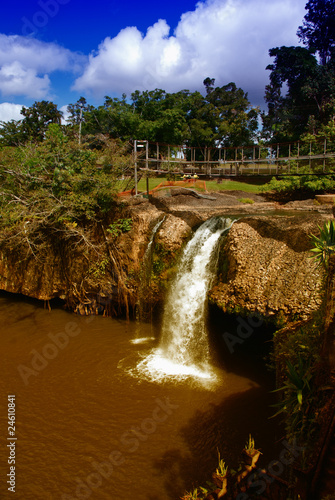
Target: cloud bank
9,111
227,40
26,63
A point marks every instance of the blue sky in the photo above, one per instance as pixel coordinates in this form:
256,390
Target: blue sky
60,50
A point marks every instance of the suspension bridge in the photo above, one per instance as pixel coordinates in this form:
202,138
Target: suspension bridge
298,158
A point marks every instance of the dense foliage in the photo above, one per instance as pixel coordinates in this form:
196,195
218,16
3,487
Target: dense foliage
301,107
56,186
306,74
222,116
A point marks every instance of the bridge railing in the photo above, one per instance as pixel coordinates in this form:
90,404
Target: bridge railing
315,157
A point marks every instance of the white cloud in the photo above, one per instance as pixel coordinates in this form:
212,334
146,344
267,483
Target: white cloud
66,114
9,111
227,40
25,65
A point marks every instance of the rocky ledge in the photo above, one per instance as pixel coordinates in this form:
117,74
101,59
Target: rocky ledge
266,266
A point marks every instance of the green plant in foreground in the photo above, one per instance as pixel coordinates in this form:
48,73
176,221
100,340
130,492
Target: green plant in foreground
191,495
222,469
297,399
324,245
246,200
295,387
250,444
120,226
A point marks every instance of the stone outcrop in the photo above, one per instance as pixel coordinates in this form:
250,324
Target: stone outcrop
91,276
266,266
265,263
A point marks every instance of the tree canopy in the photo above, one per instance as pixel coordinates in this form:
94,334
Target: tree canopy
301,92
318,29
222,116
33,126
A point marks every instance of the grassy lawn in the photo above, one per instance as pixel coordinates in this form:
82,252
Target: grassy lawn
226,185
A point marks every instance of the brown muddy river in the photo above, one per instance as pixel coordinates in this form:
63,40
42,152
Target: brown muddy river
89,425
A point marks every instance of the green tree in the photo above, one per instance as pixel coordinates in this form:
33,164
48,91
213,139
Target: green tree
77,110
288,114
11,133
310,82
38,117
224,116
48,187
318,29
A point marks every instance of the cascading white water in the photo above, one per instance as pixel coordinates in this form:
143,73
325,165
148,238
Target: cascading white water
183,349
148,252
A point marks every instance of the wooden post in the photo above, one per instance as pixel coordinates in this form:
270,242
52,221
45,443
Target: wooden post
253,159
147,155
157,154
135,158
259,158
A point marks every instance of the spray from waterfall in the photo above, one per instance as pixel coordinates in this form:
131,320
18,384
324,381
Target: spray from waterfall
183,350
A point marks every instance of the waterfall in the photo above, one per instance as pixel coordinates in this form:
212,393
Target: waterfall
143,306
147,260
183,349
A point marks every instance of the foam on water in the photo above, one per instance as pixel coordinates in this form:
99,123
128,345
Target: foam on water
183,351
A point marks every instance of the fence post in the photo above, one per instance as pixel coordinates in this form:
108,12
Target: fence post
135,165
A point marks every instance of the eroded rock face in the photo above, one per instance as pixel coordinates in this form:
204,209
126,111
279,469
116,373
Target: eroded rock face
80,274
265,264
267,267
173,233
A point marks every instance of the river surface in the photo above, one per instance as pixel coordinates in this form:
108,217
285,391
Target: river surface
88,425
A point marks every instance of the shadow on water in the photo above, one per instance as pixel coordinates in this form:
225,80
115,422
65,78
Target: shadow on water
15,314
247,356
217,428
214,429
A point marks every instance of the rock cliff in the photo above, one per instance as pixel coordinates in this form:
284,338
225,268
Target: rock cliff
266,266
90,276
